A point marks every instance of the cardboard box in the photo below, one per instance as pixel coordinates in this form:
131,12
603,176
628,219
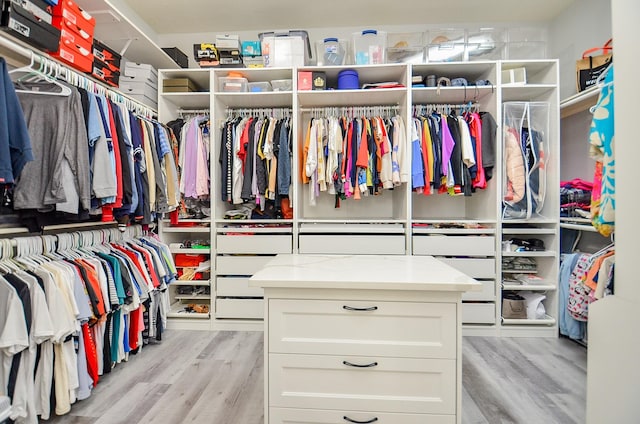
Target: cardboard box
228,41
38,8
68,10
103,72
107,55
178,85
251,48
141,72
75,56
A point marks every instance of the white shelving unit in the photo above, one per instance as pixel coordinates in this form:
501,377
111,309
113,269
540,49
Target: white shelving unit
397,221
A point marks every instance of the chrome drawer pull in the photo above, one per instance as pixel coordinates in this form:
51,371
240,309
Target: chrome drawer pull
372,420
373,364
351,308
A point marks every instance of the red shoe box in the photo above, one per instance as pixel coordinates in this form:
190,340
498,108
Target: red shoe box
71,34
103,72
76,56
68,10
107,56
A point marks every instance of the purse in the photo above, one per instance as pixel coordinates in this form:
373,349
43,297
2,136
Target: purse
589,68
513,306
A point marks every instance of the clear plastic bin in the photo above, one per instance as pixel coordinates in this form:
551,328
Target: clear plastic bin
369,47
331,52
446,45
282,85
485,44
233,84
405,47
285,49
526,43
258,87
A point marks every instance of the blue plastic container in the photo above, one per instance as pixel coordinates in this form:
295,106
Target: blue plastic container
348,80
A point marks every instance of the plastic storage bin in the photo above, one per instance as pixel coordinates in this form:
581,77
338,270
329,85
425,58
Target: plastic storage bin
486,44
369,47
331,52
405,47
348,80
285,49
258,87
233,84
526,43
282,85
446,45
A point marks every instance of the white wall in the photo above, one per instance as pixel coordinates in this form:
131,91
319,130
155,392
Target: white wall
583,25
613,377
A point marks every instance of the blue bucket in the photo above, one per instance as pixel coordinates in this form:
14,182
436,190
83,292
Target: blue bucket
348,80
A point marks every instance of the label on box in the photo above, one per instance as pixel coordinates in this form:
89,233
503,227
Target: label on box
18,27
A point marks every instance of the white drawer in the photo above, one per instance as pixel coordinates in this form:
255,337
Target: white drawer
400,329
487,293
236,286
258,243
444,245
352,244
317,416
473,267
478,313
402,385
240,308
240,265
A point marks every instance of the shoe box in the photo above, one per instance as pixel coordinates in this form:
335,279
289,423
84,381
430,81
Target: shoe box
177,56
106,63
140,81
30,21
76,42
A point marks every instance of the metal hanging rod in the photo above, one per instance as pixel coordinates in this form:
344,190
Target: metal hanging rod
194,111
61,71
275,112
444,107
352,111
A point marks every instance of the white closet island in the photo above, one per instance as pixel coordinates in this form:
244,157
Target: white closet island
362,339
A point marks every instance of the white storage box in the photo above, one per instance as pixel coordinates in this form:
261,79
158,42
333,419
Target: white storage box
140,71
285,49
446,45
369,47
145,88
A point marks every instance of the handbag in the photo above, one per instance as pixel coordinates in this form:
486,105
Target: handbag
589,68
513,306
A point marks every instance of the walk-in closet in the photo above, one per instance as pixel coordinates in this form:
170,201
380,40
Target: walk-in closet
270,213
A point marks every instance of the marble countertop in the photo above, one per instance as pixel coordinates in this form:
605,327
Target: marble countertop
375,272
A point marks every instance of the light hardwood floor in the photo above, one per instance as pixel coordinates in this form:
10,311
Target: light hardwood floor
217,378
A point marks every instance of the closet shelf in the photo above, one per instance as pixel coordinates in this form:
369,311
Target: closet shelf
190,283
547,320
324,228
339,98
543,254
422,230
187,230
549,231
188,100
187,315
13,230
454,95
525,92
192,297
249,229
579,102
191,251
257,222
529,287
250,100
579,227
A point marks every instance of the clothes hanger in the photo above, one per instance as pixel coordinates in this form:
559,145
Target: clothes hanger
45,73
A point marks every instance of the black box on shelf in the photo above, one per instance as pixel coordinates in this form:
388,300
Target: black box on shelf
107,55
178,56
104,72
24,25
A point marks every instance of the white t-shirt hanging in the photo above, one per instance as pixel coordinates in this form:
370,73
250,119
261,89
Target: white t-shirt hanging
13,330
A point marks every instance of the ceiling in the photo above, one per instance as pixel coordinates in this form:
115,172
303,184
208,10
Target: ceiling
193,16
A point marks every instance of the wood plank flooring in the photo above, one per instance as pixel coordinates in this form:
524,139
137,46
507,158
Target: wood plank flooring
217,378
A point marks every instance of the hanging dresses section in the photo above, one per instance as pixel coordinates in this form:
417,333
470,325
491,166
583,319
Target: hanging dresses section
74,311
353,153
255,164
92,158
450,152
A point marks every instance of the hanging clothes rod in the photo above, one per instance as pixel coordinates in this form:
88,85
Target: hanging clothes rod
276,112
77,79
352,111
193,111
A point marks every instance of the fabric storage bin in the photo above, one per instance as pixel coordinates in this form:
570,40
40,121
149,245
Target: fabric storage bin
369,47
405,47
331,52
446,45
285,49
